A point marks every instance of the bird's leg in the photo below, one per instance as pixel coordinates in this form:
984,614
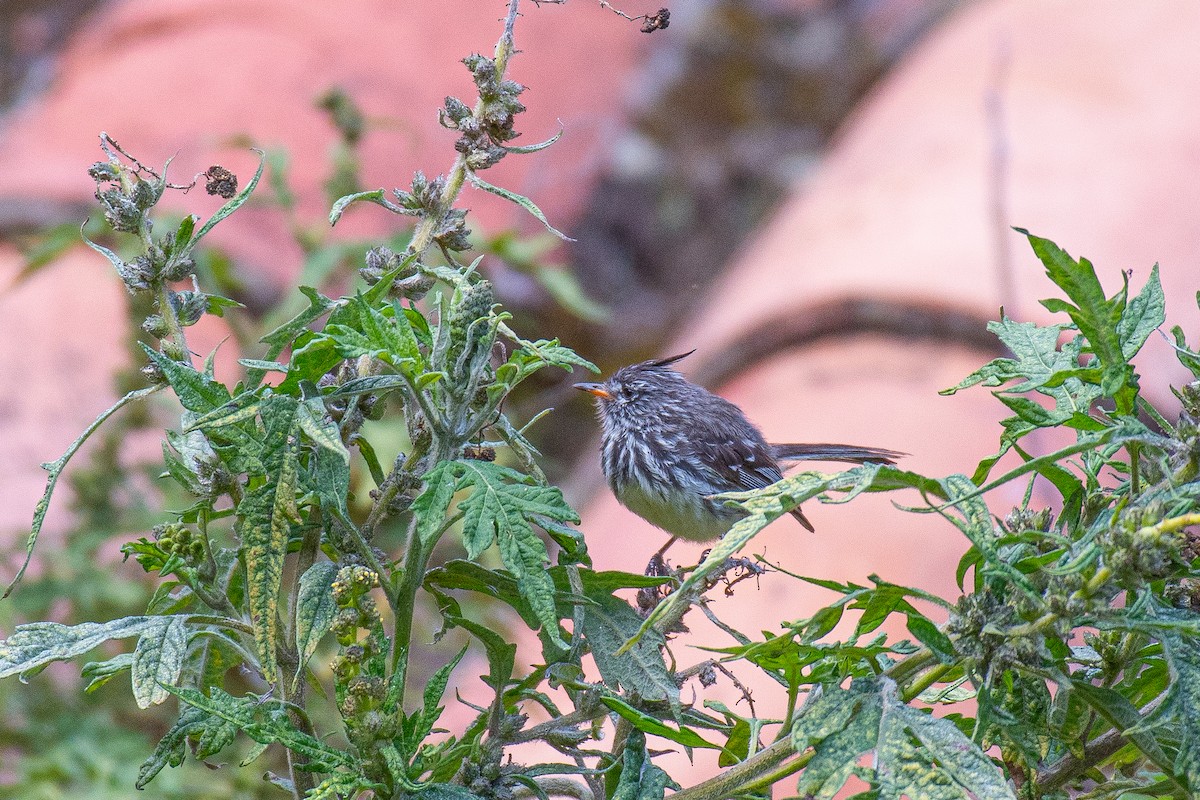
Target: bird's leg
662,550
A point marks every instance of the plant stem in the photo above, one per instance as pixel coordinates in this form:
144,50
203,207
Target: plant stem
926,680
423,235
416,555
737,779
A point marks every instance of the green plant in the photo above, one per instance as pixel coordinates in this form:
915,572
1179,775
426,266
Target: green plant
1075,635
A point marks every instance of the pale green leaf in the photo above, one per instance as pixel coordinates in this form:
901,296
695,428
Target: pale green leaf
920,755
521,200
266,514
158,661
33,646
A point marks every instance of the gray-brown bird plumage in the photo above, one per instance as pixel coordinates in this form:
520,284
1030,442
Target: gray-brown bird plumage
670,445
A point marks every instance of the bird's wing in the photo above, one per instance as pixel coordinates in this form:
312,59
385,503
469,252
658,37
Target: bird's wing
747,467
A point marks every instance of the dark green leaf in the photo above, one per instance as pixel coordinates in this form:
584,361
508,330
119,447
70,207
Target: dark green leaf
315,609
656,727
608,622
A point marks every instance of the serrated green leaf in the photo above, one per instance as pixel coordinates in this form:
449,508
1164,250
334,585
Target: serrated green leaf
266,514
314,358
183,235
339,786
1096,316
369,384
239,409
99,673
881,604
233,204
172,748
608,622
315,609
33,646
839,747
641,778
55,469
196,391
932,637
656,727
254,718
1144,314
158,661
521,200
433,503
1186,356
1125,717
431,711
1183,700
501,508
345,785
282,336
501,654
942,763
321,429
977,525
764,506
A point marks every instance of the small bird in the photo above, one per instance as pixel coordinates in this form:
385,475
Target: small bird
670,445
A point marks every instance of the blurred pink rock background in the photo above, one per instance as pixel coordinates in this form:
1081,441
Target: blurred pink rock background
857,297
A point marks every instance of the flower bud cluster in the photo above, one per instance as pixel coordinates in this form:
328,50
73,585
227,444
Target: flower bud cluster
180,541
485,131
359,669
350,412
485,774
1070,596
124,195
1137,550
425,200
989,631
411,284
1020,520
360,686
471,332
1185,461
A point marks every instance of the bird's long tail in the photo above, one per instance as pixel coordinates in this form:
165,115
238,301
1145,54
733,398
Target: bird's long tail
834,452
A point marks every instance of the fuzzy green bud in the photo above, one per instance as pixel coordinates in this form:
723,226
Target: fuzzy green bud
189,306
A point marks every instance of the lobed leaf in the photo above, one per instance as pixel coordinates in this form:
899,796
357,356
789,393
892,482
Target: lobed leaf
266,513
158,661
31,647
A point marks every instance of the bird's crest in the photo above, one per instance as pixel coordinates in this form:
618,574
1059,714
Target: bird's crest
666,362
